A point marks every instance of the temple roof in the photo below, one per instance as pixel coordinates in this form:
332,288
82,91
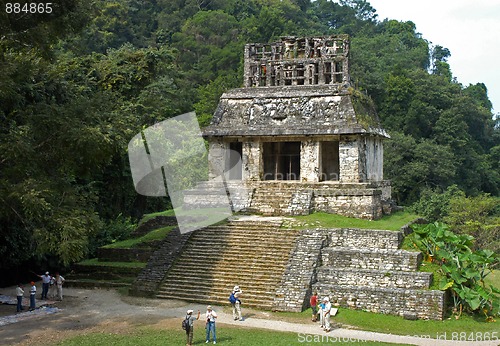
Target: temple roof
296,86
294,110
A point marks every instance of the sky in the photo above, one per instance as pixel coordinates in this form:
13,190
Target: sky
469,29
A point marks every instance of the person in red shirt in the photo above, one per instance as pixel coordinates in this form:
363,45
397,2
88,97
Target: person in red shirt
313,301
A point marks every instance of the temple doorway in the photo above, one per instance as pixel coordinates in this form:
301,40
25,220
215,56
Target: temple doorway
281,160
233,162
330,166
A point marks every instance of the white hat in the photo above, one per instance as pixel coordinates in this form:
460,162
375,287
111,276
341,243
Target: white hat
209,307
189,312
326,299
46,273
236,288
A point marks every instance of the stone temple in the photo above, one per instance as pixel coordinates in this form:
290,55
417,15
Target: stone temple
298,137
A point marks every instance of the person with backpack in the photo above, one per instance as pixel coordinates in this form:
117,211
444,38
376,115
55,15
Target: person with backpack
188,326
236,303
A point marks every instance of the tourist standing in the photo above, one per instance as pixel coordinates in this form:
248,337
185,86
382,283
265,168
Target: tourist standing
235,301
45,284
52,288
313,301
321,314
32,296
20,296
326,311
189,330
237,305
210,315
59,281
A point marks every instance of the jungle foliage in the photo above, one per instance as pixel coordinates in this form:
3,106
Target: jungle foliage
78,84
464,269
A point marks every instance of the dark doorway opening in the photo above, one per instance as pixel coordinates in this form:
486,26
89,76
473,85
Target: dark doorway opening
281,160
330,166
233,162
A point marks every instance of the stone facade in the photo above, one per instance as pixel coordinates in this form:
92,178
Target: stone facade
299,120
359,269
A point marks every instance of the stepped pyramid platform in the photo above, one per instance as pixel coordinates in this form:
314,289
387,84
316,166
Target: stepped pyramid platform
367,270
248,251
279,268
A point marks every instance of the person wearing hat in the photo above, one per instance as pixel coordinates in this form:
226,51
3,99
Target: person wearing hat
326,313
210,315
189,331
236,303
32,296
45,284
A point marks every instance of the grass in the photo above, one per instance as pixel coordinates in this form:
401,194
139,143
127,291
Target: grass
157,234
373,322
493,279
96,262
226,335
391,222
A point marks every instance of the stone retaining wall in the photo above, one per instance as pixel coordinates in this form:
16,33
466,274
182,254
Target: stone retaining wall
378,259
423,304
380,239
372,274
375,278
295,288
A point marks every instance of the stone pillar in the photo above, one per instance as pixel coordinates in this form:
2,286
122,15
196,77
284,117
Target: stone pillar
253,164
309,161
374,158
349,160
216,157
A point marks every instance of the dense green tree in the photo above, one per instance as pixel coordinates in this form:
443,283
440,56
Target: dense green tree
79,83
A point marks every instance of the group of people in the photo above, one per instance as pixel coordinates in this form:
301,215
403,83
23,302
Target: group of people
322,309
51,287
211,316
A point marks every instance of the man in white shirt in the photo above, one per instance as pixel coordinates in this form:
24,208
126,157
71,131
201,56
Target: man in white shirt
59,280
20,296
32,296
326,313
210,318
45,284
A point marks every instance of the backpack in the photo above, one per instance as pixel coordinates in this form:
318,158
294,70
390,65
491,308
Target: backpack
232,298
185,324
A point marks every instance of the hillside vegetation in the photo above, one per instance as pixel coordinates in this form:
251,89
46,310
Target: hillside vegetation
78,84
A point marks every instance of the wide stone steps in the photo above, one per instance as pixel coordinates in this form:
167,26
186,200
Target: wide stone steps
375,278
261,302
379,259
233,257
251,253
272,200
249,237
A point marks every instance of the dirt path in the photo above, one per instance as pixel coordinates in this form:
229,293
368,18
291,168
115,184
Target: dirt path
85,310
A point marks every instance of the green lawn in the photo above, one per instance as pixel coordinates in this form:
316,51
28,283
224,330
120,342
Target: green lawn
389,222
226,335
157,234
96,262
390,324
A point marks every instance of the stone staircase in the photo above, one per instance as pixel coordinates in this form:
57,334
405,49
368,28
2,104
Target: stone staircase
248,251
366,269
272,198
